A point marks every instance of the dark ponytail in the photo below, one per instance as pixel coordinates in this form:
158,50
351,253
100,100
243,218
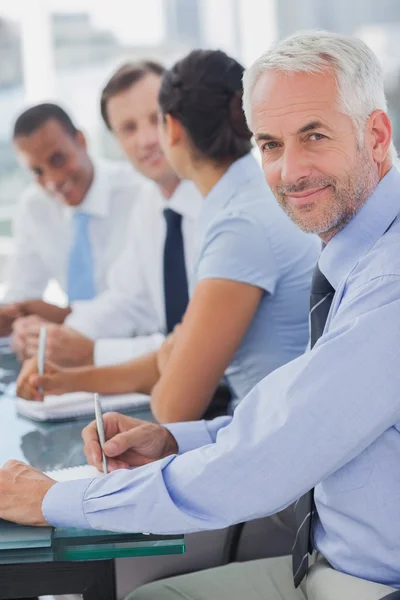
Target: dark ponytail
204,92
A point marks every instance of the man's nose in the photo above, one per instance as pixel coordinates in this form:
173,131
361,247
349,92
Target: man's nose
53,180
147,136
296,166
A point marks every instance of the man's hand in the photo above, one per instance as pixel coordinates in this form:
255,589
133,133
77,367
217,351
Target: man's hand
55,380
8,314
130,442
25,336
67,347
44,310
22,490
64,346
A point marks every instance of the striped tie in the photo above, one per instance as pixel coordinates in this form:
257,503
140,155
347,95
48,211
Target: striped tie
320,302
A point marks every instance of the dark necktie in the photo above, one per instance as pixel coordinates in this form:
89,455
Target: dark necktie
321,299
175,279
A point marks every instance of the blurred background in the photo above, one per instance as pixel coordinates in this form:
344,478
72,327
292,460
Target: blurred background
65,50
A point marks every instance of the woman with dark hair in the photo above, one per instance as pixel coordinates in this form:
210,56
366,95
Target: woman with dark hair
248,312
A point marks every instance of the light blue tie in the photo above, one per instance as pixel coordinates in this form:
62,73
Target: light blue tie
80,261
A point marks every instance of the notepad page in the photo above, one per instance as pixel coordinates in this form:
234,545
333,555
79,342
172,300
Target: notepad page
78,404
72,473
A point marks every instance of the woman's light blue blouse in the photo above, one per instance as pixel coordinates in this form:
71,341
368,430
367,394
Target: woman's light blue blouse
243,235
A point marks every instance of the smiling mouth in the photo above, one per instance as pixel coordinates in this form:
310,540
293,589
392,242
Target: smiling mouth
66,188
153,156
307,193
306,198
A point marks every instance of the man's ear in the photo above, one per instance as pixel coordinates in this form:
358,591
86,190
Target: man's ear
380,134
80,138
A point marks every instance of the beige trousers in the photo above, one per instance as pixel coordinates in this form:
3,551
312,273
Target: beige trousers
265,579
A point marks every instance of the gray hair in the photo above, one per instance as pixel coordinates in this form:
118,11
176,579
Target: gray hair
356,68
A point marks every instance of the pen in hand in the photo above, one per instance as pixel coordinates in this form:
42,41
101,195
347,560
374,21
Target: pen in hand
100,430
41,356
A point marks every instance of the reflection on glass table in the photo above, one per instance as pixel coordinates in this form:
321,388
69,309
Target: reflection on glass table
51,446
9,366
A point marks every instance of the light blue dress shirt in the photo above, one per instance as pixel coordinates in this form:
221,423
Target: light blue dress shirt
330,419
243,235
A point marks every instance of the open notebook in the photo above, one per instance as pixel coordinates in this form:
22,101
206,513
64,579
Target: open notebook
78,404
71,473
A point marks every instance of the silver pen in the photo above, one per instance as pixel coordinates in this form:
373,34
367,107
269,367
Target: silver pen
41,355
100,430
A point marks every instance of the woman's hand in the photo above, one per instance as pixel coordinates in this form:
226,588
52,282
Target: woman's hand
32,386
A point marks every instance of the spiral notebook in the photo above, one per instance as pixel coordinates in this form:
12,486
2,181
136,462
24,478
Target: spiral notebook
78,404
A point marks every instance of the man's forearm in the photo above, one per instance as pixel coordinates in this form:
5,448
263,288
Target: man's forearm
49,312
6,321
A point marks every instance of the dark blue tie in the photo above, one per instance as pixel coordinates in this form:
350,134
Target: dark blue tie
320,302
175,278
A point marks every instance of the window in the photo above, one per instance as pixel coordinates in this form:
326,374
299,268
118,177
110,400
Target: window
64,50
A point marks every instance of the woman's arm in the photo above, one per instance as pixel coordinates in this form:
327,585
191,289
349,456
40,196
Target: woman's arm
139,375
217,318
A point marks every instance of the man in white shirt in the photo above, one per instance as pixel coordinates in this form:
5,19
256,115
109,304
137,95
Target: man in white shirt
71,221
134,305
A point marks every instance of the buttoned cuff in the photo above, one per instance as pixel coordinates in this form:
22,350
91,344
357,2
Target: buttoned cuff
62,506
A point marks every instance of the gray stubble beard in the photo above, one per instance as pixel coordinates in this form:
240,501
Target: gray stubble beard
347,199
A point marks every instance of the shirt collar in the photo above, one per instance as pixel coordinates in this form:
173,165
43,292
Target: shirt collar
375,216
186,200
240,171
97,199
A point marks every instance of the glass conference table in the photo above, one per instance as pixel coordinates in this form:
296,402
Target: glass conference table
40,561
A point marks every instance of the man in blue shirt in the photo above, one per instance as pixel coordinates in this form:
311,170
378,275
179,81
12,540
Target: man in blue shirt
329,419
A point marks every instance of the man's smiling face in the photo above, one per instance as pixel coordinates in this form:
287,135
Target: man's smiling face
310,151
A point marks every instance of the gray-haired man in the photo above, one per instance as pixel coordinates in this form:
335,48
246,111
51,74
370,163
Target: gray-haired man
330,419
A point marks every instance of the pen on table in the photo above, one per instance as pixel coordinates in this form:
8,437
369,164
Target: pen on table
100,430
41,356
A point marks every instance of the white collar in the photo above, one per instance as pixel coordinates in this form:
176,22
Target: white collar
97,199
186,200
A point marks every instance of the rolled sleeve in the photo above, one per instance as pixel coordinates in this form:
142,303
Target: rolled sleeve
195,434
